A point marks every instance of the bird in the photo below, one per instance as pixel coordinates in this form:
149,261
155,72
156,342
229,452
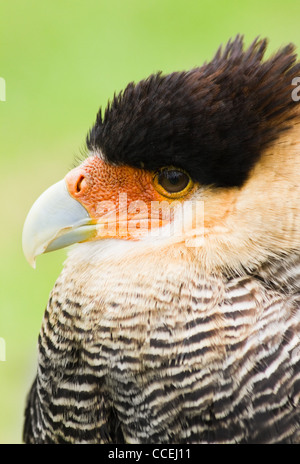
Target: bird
176,316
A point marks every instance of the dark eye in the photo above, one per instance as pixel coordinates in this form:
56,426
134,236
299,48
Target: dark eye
172,181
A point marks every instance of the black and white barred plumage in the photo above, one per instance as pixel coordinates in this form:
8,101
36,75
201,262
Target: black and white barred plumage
187,359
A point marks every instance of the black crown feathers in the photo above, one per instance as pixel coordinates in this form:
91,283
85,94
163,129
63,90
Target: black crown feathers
213,121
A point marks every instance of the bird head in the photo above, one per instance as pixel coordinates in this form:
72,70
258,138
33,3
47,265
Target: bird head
206,160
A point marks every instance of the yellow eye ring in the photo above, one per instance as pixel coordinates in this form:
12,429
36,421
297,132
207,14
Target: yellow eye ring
172,182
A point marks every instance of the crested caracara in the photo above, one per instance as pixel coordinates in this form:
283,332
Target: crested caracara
176,318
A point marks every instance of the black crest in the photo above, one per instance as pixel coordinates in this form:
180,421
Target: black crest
213,121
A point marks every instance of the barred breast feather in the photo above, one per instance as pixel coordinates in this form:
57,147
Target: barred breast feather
157,351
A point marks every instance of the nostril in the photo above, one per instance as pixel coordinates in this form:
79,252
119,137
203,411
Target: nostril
77,182
81,182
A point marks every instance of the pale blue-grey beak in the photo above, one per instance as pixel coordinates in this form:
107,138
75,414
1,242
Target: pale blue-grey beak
55,220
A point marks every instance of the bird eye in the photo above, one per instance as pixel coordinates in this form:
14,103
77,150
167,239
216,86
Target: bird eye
172,182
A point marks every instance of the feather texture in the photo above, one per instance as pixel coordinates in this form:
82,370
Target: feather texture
214,121
148,357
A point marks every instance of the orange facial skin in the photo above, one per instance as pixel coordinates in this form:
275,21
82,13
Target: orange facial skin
119,198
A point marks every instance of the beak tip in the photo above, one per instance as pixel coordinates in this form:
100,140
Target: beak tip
27,249
30,258
32,262
55,220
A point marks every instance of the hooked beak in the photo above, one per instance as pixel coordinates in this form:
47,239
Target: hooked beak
55,220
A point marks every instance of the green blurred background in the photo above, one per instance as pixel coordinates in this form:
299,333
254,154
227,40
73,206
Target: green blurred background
62,60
